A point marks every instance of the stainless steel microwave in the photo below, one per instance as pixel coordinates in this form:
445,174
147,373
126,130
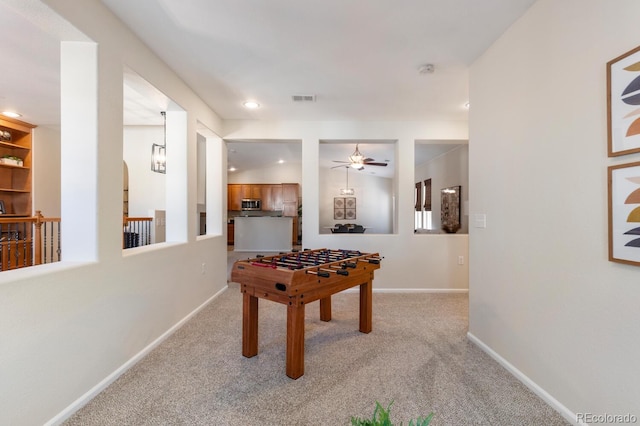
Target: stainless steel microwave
251,204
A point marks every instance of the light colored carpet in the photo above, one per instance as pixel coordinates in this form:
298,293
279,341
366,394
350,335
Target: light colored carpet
417,356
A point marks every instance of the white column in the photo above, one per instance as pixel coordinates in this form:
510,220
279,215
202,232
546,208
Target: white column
79,145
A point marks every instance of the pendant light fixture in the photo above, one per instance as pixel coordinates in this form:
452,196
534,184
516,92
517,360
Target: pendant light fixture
159,152
346,190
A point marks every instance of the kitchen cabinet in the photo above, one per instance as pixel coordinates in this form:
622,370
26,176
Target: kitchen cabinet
15,167
236,192
252,191
234,197
272,197
290,193
230,233
290,204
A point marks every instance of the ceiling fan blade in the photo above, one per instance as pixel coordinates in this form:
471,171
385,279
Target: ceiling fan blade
375,164
341,165
336,161
368,159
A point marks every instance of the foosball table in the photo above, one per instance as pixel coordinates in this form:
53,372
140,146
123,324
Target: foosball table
296,279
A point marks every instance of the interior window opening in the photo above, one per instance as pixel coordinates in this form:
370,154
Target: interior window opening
358,186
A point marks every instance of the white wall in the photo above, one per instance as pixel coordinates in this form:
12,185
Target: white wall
543,295
278,173
67,329
147,189
46,170
402,250
449,169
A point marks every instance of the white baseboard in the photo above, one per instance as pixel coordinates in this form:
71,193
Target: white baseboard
421,290
546,397
411,290
90,394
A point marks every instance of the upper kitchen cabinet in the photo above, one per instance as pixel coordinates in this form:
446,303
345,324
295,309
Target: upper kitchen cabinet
290,194
15,167
272,197
236,192
253,191
234,197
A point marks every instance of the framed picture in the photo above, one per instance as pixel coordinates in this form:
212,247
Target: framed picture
623,104
344,208
624,213
450,209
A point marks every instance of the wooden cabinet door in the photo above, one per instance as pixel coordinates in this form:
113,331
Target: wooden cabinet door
267,203
255,192
276,197
246,191
290,199
271,197
230,233
290,192
234,197
290,208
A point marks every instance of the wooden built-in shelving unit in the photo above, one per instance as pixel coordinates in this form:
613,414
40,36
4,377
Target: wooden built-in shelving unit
15,181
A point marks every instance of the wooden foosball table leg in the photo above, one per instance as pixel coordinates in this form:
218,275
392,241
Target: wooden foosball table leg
325,309
366,298
249,325
295,341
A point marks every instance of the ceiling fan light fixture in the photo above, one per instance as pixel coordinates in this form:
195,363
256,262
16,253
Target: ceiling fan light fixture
356,157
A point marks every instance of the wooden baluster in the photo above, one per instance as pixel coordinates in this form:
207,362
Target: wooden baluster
59,251
38,238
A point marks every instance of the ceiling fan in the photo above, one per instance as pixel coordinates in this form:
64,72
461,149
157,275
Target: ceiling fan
357,161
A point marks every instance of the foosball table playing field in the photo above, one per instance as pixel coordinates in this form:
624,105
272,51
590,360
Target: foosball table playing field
296,279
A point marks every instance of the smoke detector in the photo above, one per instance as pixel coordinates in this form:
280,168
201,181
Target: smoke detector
426,69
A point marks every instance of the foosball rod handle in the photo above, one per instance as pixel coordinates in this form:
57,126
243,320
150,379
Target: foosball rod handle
322,274
337,271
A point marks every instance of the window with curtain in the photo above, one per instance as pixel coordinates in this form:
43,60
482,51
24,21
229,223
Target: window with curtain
427,195
418,206
426,207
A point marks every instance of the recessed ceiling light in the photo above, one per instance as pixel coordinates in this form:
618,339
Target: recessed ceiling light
280,161
11,114
251,104
232,169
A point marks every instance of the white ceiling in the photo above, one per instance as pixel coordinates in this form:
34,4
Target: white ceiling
359,58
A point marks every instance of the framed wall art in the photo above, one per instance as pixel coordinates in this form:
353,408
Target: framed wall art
624,213
450,209
623,104
344,208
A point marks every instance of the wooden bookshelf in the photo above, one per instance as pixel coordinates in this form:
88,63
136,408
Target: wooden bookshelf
15,180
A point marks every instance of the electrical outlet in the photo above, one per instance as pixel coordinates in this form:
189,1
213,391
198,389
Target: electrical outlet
460,260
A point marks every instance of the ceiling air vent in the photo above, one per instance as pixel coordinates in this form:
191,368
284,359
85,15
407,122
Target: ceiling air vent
303,98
